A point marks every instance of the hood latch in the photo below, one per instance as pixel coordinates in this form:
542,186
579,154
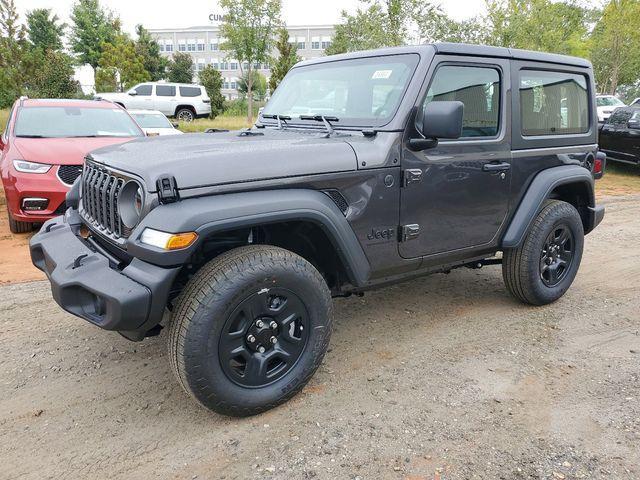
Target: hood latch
167,189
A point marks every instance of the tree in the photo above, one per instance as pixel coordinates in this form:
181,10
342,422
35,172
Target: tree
247,30
54,77
211,80
92,29
180,68
44,30
616,45
383,23
259,83
286,59
15,60
558,27
149,50
120,60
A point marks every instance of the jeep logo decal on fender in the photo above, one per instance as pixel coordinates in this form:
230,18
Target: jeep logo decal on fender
378,235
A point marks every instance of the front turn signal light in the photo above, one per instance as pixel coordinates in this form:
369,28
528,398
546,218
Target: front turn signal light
168,241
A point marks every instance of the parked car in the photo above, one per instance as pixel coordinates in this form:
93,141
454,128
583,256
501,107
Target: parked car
43,149
620,135
606,104
154,123
433,157
183,101
635,103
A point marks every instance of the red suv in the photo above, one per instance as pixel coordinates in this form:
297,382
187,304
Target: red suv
43,149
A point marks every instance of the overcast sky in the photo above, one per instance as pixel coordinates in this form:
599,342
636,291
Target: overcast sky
188,13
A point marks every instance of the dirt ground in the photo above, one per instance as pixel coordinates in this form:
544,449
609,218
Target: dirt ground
446,377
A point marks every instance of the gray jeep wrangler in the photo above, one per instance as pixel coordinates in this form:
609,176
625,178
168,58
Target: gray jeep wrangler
363,170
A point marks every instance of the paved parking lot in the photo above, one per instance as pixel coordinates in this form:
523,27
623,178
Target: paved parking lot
445,377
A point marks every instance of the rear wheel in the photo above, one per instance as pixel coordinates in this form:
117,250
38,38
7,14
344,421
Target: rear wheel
185,115
19,227
250,329
544,266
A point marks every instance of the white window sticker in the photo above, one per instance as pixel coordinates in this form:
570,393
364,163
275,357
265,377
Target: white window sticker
381,74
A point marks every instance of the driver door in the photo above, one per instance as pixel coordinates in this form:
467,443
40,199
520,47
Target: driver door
143,100
455,197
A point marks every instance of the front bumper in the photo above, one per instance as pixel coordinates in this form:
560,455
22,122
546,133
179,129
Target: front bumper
88,283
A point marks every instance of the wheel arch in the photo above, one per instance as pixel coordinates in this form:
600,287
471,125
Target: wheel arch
184,106
570,183
307,222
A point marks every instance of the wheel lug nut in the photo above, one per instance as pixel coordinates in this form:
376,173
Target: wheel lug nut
274,340
261,349
259,324
273,325
251,338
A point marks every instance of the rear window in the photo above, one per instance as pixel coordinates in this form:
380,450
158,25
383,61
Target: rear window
553,103
190,91
165,91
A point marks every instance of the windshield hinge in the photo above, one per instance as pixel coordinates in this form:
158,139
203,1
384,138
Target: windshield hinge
411,176
167,189
409,232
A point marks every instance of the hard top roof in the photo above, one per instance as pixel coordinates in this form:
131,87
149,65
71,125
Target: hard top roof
463,49
65,102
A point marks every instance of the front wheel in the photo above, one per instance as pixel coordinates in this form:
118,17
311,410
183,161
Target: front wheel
250,329
544,266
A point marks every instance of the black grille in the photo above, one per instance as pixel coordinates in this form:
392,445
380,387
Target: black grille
100,190
69,173
338,199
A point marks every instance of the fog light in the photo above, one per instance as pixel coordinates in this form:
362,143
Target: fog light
34,204
167,241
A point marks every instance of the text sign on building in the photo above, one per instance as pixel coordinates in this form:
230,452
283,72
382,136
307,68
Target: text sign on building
216,18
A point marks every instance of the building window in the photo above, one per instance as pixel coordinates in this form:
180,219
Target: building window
225,85
161,45
215,64
234,66
257,66
182,47
233,85
315,43
201,47
214,47
200,65
326,44
191,47
224,66
168,47
301,45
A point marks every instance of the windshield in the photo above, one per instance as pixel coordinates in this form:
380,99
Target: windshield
61,122
609,102
359,92
151,120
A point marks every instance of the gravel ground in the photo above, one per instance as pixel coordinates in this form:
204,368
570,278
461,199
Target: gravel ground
445,377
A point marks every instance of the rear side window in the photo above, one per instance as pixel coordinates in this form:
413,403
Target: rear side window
144,90
553,103
165,91
190,92
478,88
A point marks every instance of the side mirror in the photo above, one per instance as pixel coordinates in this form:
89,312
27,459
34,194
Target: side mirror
634,125
439,120
133,93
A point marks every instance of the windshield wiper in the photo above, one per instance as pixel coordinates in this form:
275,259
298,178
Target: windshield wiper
280,119
324,119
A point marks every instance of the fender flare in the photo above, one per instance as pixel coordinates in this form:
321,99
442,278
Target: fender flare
539,190
218,213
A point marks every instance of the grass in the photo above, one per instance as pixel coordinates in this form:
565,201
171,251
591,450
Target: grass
223,123
620,179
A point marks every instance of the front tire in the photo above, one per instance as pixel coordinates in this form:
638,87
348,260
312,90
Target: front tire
19,227
543,267
250,329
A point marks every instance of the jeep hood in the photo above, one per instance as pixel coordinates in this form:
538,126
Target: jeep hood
207,159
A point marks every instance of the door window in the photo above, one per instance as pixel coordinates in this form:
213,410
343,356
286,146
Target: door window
190,91
144,90
553,103
478,88
165,91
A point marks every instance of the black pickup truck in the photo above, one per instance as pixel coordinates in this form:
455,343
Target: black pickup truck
363,170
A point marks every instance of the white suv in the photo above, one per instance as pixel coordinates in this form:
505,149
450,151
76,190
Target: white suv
181,100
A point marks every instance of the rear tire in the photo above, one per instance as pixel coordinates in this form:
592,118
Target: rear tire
19,227
185,115
544,266
250,329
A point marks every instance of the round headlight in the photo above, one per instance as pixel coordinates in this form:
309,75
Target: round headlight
130,203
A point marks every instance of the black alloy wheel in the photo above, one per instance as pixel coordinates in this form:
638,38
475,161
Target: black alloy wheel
556,255
263,338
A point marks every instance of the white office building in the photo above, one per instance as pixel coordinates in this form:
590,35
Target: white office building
203,44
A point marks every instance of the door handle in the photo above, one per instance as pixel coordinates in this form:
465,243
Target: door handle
496,167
